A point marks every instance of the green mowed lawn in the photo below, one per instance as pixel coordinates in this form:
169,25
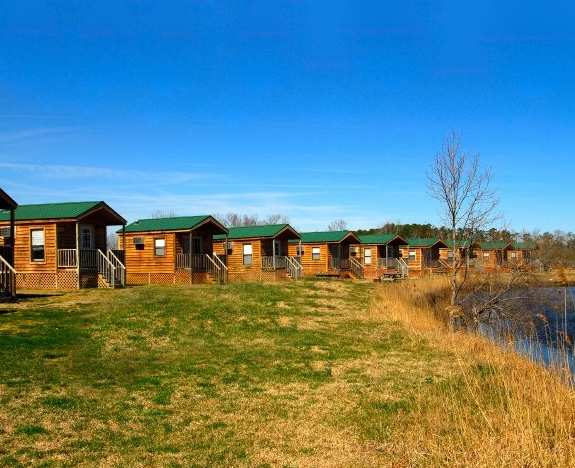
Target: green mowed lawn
291,374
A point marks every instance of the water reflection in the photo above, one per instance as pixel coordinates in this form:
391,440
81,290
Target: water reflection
548,334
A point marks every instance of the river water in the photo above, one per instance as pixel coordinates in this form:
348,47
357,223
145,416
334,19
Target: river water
548,334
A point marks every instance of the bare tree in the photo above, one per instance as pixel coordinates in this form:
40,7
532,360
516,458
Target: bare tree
276,218
467,203
162,214
338,225
238,219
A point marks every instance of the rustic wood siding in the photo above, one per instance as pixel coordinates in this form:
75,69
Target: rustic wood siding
144,261
312,267
235,256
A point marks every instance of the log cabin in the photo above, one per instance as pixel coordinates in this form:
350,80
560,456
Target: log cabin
521,255
173,250
494,255
64,245
422,255
324,253
259,253
7,272
380,255
462,253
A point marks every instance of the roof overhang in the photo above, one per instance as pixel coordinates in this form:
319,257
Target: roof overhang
6,201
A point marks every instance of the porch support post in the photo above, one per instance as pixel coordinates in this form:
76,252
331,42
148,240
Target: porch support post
192,257
12,238
274,254
77,252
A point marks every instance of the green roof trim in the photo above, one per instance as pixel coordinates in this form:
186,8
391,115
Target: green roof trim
499,245
326,236
177,223
423,241
247,232
67,210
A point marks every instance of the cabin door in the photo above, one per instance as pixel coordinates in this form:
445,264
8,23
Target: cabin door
277,248
86,237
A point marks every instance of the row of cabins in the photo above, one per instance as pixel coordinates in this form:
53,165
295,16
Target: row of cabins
64,246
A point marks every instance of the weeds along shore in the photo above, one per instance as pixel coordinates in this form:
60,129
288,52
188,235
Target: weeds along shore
493,408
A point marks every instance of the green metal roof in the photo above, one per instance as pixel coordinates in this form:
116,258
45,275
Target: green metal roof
380,238
326,236
462,244
499,245
523,245
176,223
247,232
422,241
68,210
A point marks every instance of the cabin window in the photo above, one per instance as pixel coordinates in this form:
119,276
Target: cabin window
450,254
247,252
485,255
37,245
411,256
513,255
159,247
315,253
299,250
367,256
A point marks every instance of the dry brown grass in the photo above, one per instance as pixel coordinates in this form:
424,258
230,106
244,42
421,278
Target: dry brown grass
497,409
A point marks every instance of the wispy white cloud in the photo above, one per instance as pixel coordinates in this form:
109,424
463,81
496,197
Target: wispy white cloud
57,171
12,137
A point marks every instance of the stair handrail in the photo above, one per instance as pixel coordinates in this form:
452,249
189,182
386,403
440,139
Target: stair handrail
7,277
120,267
356,267
213,269
106,268
403,267
294,269
223,266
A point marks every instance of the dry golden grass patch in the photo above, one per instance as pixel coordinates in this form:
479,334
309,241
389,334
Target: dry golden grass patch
495,409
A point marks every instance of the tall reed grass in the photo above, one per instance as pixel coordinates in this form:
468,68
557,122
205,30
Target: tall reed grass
494,409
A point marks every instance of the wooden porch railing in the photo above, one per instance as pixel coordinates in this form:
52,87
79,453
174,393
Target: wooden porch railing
7,278
187,261
118,265
273,262
293,267
105,267
223,268
338,263
388,263
356,268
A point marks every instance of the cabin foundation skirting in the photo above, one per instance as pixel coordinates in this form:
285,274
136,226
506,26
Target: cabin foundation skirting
66,279
257,275
179,277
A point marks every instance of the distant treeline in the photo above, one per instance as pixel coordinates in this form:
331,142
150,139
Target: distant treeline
554,247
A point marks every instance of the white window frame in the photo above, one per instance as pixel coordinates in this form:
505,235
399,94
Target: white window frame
367,256
316,253
247,254
411,256
37,244
158,247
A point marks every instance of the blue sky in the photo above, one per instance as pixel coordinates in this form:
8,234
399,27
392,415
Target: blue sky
315,110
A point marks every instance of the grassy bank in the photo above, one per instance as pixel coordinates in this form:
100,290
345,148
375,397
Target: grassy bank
318,373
